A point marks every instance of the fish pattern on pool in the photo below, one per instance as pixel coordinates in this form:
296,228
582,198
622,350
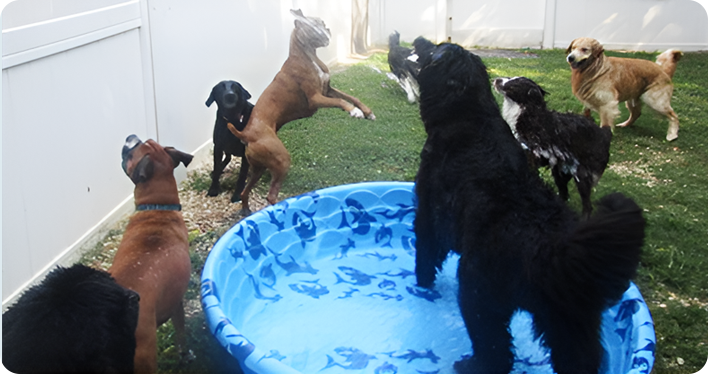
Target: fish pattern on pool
325,282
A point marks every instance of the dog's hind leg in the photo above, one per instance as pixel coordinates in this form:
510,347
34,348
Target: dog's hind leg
635,110
584,185
573,336
487,324
660,100
254,175
178,321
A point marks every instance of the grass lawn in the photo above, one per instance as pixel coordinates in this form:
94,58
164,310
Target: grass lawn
668,179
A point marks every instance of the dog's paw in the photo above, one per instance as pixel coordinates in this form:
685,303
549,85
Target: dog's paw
356,113
371,116
187,357
214,191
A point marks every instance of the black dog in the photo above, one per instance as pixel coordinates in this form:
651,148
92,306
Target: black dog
520,245
573,146
78,320
233,107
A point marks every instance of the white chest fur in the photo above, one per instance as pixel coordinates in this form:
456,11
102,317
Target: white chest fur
511,112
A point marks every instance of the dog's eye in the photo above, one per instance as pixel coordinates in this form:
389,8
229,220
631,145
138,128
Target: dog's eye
584,50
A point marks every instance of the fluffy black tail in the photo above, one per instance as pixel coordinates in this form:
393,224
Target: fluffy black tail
601,255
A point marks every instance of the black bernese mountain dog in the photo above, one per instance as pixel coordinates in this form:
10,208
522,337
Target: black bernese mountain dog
520,245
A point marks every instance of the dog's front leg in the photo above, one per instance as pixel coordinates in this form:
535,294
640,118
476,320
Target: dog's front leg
335,93
219,165
320,101
241,182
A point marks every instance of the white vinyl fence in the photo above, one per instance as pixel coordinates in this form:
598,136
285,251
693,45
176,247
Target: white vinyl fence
78,76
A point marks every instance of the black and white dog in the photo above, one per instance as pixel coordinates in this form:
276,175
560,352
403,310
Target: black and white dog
573,146
232,107
521,246
404,63
77,320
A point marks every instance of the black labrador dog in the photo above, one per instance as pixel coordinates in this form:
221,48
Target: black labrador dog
232,107
520,245
77,320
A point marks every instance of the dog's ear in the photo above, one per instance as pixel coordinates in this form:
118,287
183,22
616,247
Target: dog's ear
245,93
537,93
143,170
597,49
296,12
210,99
570,47
179,156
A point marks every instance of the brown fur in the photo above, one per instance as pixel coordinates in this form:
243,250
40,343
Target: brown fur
602,82
153,257
297,91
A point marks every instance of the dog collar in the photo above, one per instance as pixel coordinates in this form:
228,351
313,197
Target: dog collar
173,207
240,118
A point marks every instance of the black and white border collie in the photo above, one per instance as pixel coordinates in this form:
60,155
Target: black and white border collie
573,146
404,63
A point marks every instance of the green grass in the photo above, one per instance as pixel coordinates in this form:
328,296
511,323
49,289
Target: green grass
668,179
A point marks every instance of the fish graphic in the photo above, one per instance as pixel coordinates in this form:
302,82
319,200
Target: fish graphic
293,267
428,372
361,217
257,290
408,244
379,256
424,293
241,350
387,284
345,248
355,359
274,354
411,355
382,234
358,278
386,368
400,214
315,291
650,347
385,296
348,294
208,288
403,273
627,309
254,245
267,276
305,228
274,220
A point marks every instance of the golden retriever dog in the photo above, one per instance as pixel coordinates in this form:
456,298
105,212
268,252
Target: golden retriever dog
601,83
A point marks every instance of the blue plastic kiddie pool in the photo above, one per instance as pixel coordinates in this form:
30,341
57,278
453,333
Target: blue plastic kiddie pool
324,283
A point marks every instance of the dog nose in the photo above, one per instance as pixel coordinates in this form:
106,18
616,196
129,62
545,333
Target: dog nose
571,58
131,142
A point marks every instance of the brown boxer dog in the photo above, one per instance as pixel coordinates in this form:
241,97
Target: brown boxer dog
297,91
153,257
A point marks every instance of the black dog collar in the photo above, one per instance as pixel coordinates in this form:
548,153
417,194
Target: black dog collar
173,207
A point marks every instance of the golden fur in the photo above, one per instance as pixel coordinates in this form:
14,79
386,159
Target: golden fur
601,83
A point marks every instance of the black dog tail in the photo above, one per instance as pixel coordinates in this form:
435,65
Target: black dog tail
602,254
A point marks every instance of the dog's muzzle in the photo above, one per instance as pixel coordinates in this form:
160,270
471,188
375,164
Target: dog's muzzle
131,143
230,99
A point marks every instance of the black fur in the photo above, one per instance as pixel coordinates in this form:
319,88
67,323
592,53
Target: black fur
233,107
520,245
78,320
573,146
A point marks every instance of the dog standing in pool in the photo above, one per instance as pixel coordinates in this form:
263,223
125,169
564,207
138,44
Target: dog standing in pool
521,247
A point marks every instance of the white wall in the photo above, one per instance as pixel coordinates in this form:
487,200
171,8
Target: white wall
648,25
81,75
620,24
